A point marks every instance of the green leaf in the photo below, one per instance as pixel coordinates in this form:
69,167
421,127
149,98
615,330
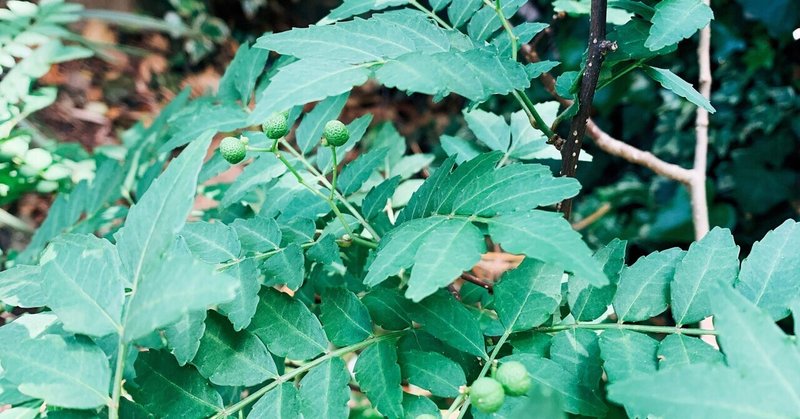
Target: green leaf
627,354
286,267
630,40
178,286
397,249
355,173
241,309
211,242
421,202
677,85
62,371
524,33
548,237
432,371
643,287
460,11
475,74
309,132
459,148
712,260
677,350
486,21
20,286
769,273
83,284
325,251
261,171
414,406
408,166
378,374
360,41
183,336
578,352
164,387
240,78
282,402
229,358
186,127
351,8
159,215
528,295
588,302
450,321
258,234
675,20
388,308
452,247
324,391
345,319
490,129
578,398
375,201
306,81
287,327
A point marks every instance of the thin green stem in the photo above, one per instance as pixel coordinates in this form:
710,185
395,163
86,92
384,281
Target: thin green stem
364,242
301,369
350,208
628,69
486,367
259,256
506,26
116,392
334,170
528,105
456,403
634,327
431,14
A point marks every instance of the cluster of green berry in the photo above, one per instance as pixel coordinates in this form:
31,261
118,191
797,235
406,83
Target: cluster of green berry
234,150
487,394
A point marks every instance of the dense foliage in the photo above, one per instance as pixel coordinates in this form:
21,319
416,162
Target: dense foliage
320,289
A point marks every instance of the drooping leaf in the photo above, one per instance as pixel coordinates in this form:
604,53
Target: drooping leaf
677,85
588,302
677,350
282,402
675,20
644,286
627,354
324,392
345,319
378,374
769,273
164,387
528,295
375,201
230,358
82,280
459,148
490,129
287,327
712,260
548,237
451,322
432,371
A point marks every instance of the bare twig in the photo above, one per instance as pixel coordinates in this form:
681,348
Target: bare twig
477,281
593,217
697,187
598,47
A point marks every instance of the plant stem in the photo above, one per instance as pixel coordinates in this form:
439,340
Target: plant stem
487,366
506,25
431,14
622,326
333,171
301,369
526,103
116,392
456,403
364,242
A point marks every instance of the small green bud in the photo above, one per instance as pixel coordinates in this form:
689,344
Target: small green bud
276,126
233,150
514,378
487,395
336,133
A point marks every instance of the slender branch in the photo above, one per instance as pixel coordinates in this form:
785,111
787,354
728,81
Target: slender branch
598,47
477,281
431,14
486,367
119,369
593,217
697,188
335,164
10,220
634,327
228,411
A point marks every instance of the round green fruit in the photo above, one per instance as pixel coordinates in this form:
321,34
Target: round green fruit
487,394
514,378
336,133
233,150
276,126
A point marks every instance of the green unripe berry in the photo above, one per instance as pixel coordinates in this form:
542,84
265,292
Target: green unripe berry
276,126
336,133
233,150
514,378
487,394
